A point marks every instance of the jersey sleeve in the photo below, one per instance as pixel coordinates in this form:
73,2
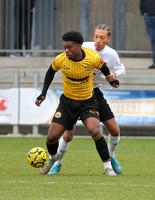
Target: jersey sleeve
118,65
55,64
99,62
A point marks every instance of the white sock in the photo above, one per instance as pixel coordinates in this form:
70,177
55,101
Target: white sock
63,146
53,157
107,165
113,144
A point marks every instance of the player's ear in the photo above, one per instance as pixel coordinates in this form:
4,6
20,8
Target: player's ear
108,40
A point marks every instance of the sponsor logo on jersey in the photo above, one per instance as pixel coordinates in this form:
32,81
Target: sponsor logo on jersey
53,62
77,83
120,62
58,114
101,60
87,68
67,68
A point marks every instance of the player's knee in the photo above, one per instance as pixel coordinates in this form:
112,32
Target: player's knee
115,131
94,131
67,137
52,137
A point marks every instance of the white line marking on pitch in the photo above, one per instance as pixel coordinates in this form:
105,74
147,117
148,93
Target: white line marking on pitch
73,183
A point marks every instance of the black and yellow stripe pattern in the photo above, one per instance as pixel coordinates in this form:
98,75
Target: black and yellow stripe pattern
78,76
102,147
97,137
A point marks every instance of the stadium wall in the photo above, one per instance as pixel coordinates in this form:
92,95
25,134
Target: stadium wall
53,18
29,73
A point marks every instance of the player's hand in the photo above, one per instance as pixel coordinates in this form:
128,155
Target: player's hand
111,77
115,83
39,100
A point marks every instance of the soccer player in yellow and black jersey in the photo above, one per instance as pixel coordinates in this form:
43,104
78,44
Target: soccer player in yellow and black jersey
77,75
77,101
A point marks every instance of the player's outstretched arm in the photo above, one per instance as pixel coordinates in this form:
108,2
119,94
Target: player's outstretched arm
115,83
39,100
47,81
109,76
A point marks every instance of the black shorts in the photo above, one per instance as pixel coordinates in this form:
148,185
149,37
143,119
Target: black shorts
104,109
69,111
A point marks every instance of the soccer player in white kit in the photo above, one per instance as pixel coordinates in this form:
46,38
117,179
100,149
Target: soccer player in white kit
102,36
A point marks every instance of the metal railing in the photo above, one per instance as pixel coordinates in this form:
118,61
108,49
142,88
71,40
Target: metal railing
47,20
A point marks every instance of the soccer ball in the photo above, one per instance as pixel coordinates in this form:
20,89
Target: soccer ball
37,157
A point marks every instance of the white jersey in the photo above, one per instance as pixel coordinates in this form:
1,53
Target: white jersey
112,60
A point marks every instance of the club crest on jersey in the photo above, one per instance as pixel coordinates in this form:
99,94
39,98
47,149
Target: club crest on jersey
58,114
87,68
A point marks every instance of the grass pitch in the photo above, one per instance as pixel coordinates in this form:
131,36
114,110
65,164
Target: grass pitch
82,176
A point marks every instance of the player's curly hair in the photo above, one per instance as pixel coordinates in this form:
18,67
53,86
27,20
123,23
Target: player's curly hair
73,36
104,27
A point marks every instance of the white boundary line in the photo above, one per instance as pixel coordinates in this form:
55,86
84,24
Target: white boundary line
88,183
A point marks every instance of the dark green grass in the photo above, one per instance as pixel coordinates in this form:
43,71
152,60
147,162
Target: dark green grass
82,175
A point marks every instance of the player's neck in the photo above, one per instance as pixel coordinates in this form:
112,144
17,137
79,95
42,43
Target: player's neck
80,57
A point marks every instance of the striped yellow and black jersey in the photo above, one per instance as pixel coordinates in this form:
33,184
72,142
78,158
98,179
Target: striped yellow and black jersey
78,75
